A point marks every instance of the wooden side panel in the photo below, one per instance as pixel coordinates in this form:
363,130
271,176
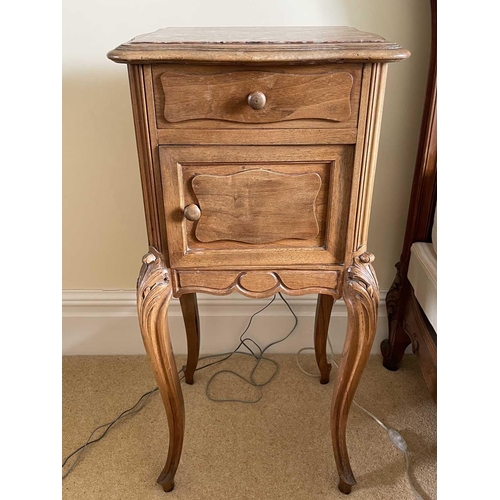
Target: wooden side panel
256,206
369,148
145,154
423,340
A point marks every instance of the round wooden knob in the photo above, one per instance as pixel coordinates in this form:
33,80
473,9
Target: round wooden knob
256,100
192,212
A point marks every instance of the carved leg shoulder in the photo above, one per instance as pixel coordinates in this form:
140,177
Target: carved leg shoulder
361,295
154,292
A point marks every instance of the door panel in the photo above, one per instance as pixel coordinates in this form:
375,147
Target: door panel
260,205
254,206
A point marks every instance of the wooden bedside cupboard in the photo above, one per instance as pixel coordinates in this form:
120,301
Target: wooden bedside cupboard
257,150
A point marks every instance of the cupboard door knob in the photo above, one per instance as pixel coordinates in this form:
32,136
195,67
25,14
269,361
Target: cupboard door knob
256,100
192,212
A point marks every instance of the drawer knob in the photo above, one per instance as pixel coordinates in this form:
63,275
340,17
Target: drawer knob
192,212
256,100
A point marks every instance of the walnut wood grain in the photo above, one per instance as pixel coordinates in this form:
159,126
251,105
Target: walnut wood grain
145,155
256,206
361,295
215,96
189,307
154,291
258,284
351,216
179,165
256,137
289,96
321,324
368,157
325,170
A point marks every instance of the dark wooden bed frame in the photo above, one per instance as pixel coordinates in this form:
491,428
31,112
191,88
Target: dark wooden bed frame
407,322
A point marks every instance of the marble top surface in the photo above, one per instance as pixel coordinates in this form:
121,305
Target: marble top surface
257,35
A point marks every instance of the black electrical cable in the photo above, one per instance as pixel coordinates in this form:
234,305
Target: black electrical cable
127,412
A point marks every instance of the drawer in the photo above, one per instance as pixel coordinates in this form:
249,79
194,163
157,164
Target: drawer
279,97
257,283
256,205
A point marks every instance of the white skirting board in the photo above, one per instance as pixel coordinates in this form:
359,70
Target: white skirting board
105,322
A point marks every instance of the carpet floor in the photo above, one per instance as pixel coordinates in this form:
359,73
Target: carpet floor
278,448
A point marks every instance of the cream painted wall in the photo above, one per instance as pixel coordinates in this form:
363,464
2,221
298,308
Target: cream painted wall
103,222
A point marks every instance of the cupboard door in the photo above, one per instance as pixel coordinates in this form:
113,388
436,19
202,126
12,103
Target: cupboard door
250,206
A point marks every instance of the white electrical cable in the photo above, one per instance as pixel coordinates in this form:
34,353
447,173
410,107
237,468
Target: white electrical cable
394,435
396,439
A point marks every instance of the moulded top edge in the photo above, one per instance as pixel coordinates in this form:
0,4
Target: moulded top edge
258,44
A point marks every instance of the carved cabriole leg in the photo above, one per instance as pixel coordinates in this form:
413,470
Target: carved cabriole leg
393,348
361,295
322,322
154,291
189,306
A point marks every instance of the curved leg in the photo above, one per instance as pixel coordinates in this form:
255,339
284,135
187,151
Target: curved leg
189,306
321,324
361,294
154,291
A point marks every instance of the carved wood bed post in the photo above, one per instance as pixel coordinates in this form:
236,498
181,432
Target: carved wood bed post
420,215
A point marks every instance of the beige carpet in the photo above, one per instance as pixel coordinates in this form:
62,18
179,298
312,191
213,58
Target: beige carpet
278,448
